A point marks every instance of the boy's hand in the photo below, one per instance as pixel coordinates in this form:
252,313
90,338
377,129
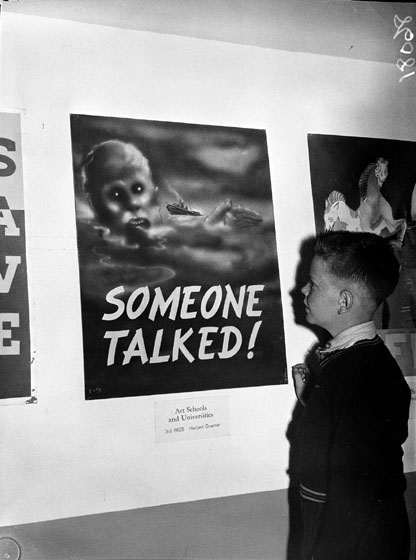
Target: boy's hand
300,374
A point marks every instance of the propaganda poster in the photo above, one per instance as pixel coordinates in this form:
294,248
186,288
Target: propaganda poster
368,184
15,349
179,278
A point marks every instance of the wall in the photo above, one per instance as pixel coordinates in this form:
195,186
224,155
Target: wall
66,456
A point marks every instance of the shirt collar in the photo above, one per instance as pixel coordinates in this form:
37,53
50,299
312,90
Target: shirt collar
348,337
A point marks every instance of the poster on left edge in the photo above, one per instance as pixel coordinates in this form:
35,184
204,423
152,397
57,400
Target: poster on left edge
15,342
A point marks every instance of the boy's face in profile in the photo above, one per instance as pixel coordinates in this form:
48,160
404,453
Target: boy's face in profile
321,296
126,199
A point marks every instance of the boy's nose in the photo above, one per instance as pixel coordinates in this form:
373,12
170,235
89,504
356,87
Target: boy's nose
305,289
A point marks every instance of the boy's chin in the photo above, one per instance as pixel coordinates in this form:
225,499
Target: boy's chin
308,317
311,320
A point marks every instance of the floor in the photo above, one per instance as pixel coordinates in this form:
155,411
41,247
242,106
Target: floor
248,527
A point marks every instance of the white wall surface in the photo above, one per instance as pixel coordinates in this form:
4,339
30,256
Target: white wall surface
66,456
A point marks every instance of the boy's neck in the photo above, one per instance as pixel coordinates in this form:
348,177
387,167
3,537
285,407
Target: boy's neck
349,337
349,322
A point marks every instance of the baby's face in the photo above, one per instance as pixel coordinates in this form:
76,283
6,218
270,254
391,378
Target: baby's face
127,203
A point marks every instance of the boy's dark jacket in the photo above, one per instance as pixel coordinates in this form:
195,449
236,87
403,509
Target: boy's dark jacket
354,425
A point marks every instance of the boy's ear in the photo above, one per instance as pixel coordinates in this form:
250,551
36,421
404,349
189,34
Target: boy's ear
345,301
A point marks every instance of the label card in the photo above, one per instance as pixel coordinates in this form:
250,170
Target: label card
198,418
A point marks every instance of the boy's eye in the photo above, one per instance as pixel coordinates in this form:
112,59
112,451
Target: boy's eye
137,188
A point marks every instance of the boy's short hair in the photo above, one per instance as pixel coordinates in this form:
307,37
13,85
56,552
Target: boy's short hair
364,258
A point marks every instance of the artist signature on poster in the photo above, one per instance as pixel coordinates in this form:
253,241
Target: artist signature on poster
404,33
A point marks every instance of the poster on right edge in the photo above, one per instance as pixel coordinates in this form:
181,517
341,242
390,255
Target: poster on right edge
344,171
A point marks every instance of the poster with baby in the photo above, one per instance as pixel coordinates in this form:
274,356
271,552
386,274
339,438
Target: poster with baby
178,265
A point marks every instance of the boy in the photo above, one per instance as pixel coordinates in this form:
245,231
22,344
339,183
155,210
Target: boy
355,417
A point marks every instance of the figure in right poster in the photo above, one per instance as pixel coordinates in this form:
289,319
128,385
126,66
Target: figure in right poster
367,184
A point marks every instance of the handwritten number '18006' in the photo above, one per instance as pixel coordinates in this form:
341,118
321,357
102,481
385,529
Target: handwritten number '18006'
407,47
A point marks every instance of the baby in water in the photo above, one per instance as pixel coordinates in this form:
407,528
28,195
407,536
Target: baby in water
118,181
